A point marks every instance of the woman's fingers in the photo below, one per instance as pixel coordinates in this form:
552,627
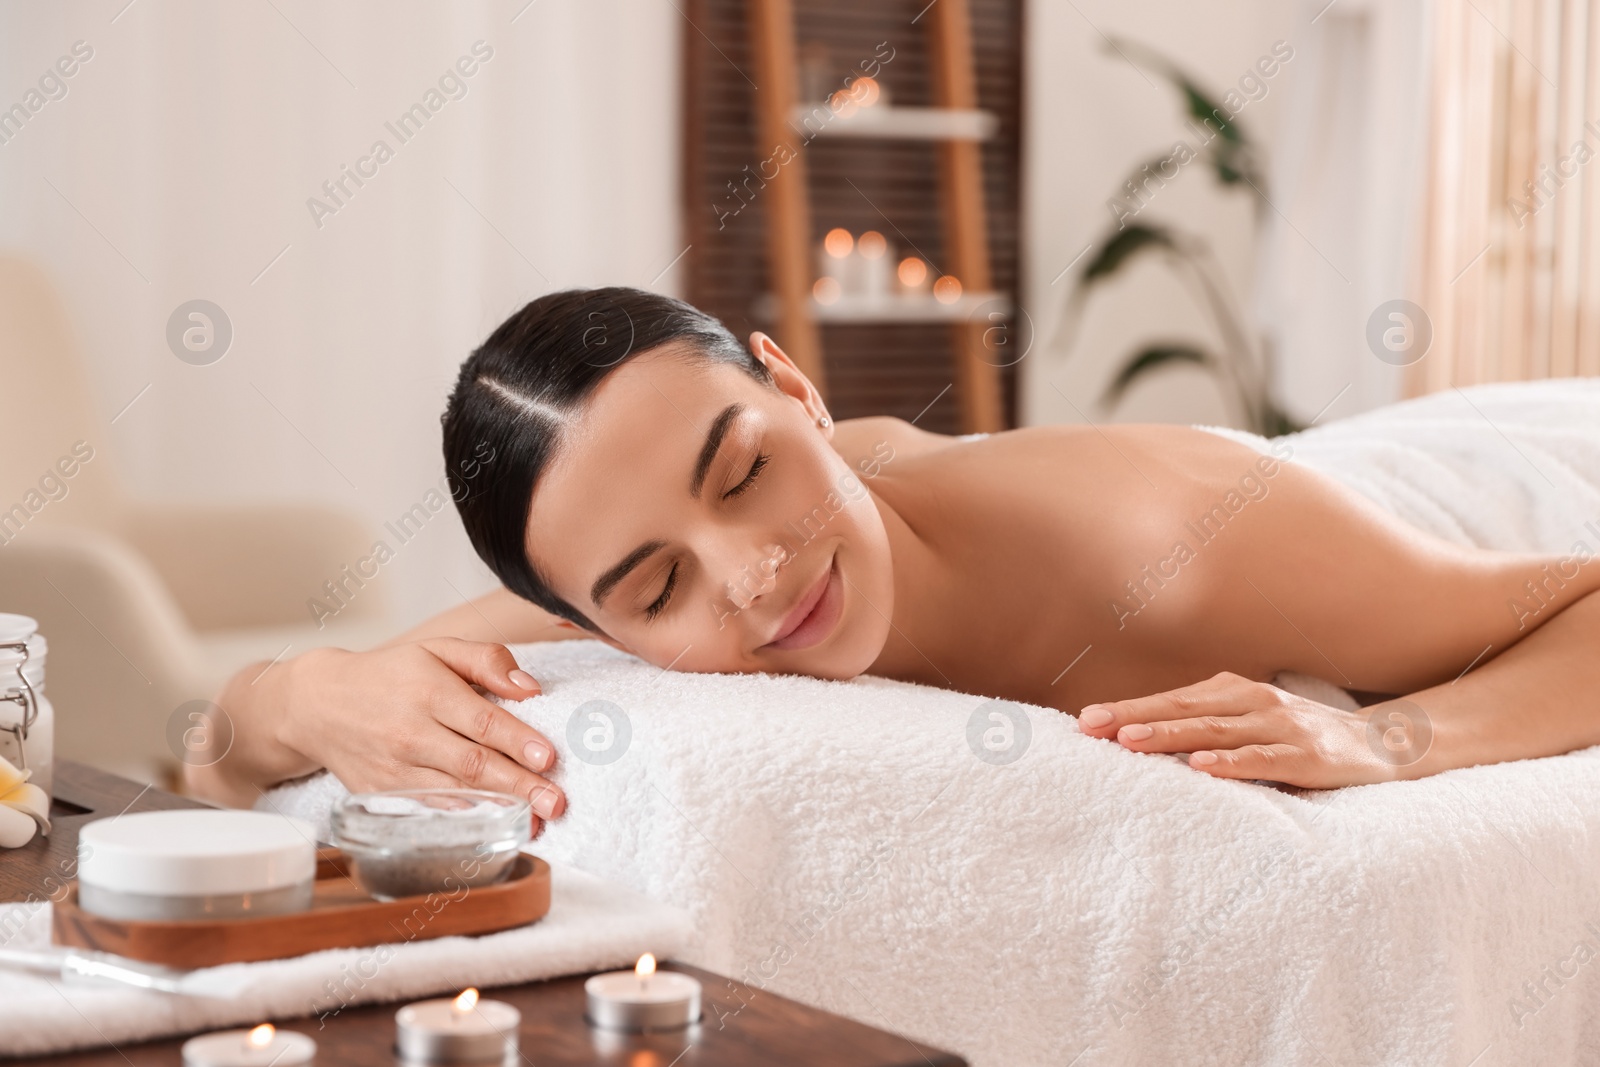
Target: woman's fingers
494,668
491,666
1219,695
487,723
1272,763
474,766
1206,731
495,746
1232,727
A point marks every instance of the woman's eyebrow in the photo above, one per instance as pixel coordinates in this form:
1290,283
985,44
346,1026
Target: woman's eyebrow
608,581
708,451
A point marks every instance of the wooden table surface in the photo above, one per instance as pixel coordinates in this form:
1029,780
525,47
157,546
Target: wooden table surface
741,1026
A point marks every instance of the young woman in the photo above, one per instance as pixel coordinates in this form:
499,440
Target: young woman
660,487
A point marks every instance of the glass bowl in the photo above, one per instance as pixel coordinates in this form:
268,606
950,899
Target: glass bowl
411,842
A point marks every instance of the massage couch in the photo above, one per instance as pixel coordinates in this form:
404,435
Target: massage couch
846,844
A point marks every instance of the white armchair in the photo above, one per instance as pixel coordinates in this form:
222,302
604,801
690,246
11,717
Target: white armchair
146,606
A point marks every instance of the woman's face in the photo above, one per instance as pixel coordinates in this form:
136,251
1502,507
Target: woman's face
704,522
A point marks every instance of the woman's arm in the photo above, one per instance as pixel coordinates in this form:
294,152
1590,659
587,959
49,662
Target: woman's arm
1494,652
500,616
1541,697
402,715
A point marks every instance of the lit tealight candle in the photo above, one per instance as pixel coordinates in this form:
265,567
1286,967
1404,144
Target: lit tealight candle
265,1046
913,275
463,1030
947,290
643,999
837,263
877,274
865,91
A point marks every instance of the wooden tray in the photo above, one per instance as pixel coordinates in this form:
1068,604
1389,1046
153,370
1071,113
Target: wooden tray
341,916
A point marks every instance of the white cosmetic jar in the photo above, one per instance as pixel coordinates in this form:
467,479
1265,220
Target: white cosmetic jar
196,864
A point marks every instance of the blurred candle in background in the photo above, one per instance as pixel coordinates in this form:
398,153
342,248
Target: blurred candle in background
877,276
913,275
947,290
838,243
865,91
815,73
837,260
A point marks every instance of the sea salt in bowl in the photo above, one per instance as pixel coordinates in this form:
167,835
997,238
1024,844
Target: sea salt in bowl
410,842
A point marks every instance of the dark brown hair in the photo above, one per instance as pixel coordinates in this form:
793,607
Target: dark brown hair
517,391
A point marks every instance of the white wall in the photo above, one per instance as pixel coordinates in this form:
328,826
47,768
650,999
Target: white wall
1090,118
179,164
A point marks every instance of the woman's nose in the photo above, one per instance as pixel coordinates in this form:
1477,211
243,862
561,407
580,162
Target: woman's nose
753,571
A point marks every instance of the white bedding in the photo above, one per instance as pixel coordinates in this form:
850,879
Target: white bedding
841,843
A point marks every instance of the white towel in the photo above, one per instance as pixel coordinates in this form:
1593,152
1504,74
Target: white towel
841,843
591,925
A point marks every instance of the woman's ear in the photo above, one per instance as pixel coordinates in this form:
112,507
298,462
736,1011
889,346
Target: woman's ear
791,380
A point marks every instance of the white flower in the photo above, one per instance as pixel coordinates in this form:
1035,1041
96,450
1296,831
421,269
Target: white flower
24,809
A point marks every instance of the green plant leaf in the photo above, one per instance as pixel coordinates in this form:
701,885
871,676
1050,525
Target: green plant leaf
1202,109
1127,243
1148,359
1231,152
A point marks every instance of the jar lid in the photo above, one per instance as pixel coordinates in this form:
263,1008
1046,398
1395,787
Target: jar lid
197,852
15,629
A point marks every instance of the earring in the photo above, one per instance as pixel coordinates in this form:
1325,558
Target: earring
824,422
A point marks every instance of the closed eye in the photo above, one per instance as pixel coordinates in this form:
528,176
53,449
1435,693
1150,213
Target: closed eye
657,606
750,478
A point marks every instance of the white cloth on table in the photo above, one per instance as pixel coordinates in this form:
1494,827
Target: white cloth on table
591,925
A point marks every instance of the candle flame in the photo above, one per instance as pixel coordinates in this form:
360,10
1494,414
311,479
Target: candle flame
262,1035
913,272
646,966
843,104
466,1001
865,91
838,242
947,290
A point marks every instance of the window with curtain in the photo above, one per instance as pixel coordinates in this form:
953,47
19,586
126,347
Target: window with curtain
1510,264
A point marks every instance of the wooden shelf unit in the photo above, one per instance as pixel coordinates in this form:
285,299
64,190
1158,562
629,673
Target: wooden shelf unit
934,167
789,238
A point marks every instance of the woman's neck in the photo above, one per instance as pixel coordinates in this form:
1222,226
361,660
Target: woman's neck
919,621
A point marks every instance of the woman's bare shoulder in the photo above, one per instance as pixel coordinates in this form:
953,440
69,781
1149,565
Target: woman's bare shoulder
858,439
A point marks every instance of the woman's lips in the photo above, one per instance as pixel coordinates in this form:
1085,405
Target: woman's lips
814,618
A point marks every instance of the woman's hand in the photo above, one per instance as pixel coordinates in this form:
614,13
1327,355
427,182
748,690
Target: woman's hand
403,716
407,717
1232,727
